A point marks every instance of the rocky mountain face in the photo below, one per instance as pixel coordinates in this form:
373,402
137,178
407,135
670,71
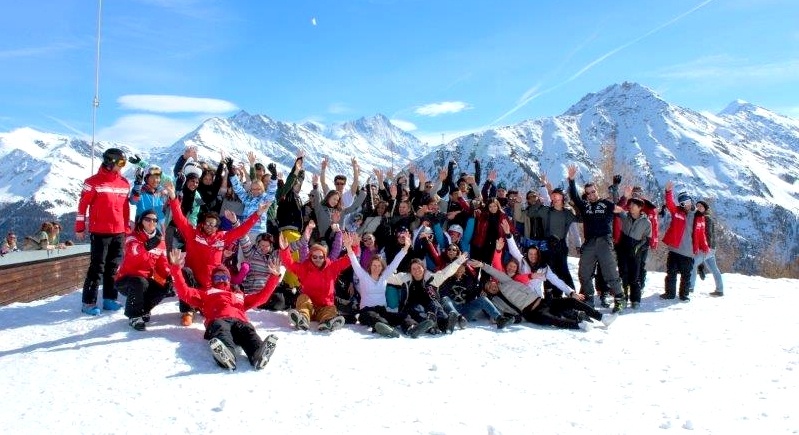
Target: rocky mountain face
744,161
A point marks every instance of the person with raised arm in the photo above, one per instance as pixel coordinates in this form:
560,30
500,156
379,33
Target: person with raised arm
224,308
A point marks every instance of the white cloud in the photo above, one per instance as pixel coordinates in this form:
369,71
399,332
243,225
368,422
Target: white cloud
726,68
435,109
338,108
405,125
145,131
175,104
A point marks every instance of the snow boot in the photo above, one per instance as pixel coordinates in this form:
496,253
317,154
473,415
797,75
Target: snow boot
223,356
111,305
716,294
420,328
137,323
452,321
332,324
90,309
386,330
299,321
503,321
261,357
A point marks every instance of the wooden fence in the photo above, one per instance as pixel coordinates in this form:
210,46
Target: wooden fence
31,275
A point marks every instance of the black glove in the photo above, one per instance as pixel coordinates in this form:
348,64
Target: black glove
135,159
272,170
617,179
140,176
153,242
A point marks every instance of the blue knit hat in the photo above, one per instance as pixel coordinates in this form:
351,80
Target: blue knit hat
684,197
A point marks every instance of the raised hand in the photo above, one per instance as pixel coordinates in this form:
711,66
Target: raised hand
282,242
262,207
273,266
669,185
492,175
315,179
505,225
500,244
251,157
323,166
230,216
470,179
628,191
392,189
174,256
571,171
442,175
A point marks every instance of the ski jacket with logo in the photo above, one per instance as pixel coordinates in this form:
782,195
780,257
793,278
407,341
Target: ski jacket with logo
675,231
203,252
318,284
139,262
220,301
105,194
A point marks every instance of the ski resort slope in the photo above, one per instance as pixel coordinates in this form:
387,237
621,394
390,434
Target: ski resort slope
726,365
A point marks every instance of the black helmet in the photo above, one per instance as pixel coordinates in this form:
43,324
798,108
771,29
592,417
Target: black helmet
113,156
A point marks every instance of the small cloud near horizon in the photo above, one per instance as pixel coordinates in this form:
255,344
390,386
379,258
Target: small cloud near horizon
175,104
338,108
146,131
404,125
435,109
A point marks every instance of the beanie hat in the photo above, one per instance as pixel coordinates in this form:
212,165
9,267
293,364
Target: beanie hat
683,197
192,170
456,228
501,185
636,201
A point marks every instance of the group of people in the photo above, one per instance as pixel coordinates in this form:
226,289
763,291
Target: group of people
48,238
401,255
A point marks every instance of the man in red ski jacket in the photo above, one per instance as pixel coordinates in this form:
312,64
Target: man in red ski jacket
684,238
105,196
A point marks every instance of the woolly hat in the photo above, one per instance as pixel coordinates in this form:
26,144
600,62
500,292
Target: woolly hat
636,201
192,170
683,197
501,185
456,228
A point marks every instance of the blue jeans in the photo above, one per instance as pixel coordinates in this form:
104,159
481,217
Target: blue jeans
709,260
471,309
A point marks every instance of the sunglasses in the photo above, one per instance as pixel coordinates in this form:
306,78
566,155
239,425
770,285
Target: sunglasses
453,249
220,278
317,257
150,219
211,224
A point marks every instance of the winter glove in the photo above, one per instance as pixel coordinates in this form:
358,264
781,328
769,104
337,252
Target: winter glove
617,179
139,175
135,159
272,170
153,242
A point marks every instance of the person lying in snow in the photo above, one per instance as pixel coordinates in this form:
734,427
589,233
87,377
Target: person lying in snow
226,324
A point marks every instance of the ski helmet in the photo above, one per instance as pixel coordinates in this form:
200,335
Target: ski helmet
114,156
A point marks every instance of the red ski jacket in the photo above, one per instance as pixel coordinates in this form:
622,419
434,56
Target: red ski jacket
105,194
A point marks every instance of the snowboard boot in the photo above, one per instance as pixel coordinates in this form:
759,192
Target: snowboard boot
618,305
299,321
386,330
261,357
223,356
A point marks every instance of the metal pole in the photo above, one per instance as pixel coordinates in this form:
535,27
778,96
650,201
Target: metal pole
96,101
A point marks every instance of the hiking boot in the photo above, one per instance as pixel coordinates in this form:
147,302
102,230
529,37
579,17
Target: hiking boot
386,330
420,328
186,319
585,326
503,321
299,321
452,321
332,324
716,294
111,305
137,323
685,298
223,356
607,319
146,318
90,309
261,357
667,296
462,322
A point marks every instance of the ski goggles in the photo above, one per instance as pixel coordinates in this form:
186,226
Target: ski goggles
220,278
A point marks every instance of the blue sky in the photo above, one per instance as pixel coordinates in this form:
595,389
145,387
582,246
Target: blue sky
432,66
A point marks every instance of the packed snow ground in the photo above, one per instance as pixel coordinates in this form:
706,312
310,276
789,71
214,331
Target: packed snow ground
726,365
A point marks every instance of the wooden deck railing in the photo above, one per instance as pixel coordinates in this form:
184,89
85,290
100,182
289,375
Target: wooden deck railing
31,275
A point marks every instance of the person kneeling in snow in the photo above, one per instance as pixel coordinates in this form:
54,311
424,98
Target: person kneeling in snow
226,324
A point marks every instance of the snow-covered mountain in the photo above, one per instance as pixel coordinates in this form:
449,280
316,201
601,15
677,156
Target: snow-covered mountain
743,160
